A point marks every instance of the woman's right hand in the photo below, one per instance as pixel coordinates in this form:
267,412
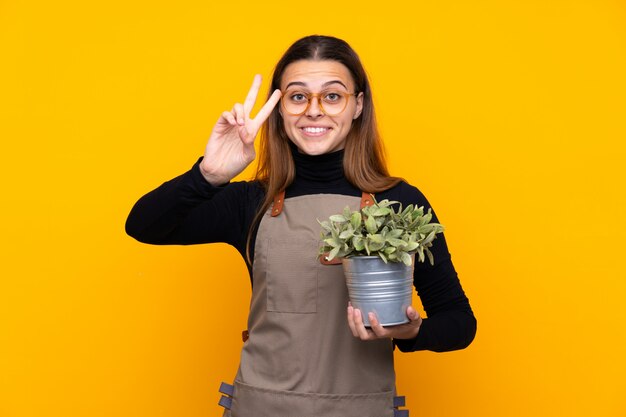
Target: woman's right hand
231,144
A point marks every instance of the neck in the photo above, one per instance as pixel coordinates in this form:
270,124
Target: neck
318,168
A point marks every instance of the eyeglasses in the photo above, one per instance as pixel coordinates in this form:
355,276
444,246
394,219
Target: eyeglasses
331,102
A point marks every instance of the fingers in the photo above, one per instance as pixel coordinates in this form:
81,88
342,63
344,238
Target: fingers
362,332
228,116
377,331
246,136
351,321
267,108
355,322
240,114
414,316
411,313
377,328
252,94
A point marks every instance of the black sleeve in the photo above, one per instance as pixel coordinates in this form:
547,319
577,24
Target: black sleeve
450,322
188,210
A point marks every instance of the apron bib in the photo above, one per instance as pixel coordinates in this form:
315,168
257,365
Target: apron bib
301,359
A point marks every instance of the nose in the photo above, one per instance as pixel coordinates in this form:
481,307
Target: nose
314,110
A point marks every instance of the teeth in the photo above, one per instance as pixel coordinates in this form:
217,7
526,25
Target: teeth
315,129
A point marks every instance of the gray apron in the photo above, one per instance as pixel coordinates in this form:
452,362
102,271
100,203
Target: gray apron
301,359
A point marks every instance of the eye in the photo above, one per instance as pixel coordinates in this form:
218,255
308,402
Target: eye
298,97
332,97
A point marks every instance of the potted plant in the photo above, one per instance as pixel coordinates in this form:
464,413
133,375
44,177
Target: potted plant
377,247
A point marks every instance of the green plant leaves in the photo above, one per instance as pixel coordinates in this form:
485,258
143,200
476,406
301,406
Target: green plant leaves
406,259
395,242
355,220
370,225
358,243
393,235
337,218
333,242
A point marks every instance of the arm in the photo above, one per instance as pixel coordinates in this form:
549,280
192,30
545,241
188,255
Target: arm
188,210
450,324
197,207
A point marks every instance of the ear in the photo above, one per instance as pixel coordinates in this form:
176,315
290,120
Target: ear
359,106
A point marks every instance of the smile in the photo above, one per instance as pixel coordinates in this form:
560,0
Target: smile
314,131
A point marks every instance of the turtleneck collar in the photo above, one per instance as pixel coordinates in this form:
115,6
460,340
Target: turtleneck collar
318,168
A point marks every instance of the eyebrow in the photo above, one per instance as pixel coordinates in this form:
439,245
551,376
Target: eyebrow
326,84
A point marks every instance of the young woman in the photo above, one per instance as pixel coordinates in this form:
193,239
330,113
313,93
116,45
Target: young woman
308,353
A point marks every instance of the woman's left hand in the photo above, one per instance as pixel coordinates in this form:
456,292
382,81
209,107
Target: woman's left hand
402,331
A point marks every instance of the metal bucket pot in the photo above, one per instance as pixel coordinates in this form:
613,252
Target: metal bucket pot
382,288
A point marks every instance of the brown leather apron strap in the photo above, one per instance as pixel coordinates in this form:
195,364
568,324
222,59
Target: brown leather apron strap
279,200
324,260
367,199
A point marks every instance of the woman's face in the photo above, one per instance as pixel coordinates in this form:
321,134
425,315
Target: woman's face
314,132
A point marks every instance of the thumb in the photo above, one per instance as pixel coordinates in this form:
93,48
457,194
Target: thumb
245,135
412,314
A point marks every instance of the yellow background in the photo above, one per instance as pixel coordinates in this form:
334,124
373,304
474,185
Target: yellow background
509,115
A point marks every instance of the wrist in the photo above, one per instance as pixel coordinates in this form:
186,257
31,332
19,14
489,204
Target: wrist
212,179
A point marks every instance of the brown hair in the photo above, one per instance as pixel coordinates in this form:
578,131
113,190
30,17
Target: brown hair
364,160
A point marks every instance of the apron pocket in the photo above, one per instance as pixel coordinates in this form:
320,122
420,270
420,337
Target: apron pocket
292,275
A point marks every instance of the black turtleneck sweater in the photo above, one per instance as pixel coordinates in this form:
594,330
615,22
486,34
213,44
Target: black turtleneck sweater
188,210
